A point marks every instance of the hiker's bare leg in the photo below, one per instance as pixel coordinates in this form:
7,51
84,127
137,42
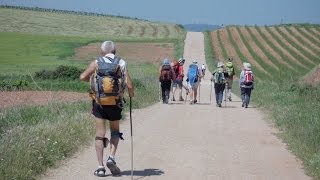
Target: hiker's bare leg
114,127
195,93
191,94
173,90
100,132
180,92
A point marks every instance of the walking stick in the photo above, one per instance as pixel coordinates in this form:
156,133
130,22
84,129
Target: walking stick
187,92
131,138
210,91
199,90
225,95
160,93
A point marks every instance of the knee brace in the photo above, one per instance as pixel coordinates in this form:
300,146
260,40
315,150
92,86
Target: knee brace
104,140
116,134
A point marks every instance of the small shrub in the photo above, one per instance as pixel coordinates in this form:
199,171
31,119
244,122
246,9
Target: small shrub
12,85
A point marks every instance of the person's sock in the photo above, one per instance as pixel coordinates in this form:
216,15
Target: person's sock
100,167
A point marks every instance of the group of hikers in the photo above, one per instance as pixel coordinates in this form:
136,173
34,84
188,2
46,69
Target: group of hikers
108,78
172,73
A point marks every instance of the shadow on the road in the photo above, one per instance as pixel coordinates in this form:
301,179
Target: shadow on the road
143,173
178,103
229,106
234,101
198,103
253,107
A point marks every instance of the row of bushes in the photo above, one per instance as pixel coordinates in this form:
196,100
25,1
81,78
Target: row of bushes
63,76
8,85
61,72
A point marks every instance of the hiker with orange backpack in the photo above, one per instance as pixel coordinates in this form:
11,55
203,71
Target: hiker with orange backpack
108,78
166,76
246,83
177,83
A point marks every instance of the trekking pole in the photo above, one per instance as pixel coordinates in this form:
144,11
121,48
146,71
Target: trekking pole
187,92
210,91
199,90
131,138
160,92
225,95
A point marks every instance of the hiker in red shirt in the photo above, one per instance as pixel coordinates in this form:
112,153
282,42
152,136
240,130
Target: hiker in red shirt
177,84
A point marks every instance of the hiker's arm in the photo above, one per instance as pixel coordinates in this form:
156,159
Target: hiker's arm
212,77
85,76
129,85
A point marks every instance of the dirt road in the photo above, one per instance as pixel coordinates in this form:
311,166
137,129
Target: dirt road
201,141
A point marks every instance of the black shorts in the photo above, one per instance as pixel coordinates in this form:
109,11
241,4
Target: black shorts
177,83
111,113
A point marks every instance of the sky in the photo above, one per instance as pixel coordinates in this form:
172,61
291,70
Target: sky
215,12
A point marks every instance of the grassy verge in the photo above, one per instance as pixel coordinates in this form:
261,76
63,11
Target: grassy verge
295,110
34,138
209,51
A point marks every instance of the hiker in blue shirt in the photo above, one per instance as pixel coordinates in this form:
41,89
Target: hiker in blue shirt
194,78
246,83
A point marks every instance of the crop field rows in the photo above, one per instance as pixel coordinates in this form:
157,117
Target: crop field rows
275,52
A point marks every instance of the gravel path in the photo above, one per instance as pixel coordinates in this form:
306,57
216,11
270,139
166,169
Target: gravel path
182,141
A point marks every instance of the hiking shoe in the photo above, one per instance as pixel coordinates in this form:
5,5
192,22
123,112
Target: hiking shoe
219,105
195,101
100,172
112,165
246,106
